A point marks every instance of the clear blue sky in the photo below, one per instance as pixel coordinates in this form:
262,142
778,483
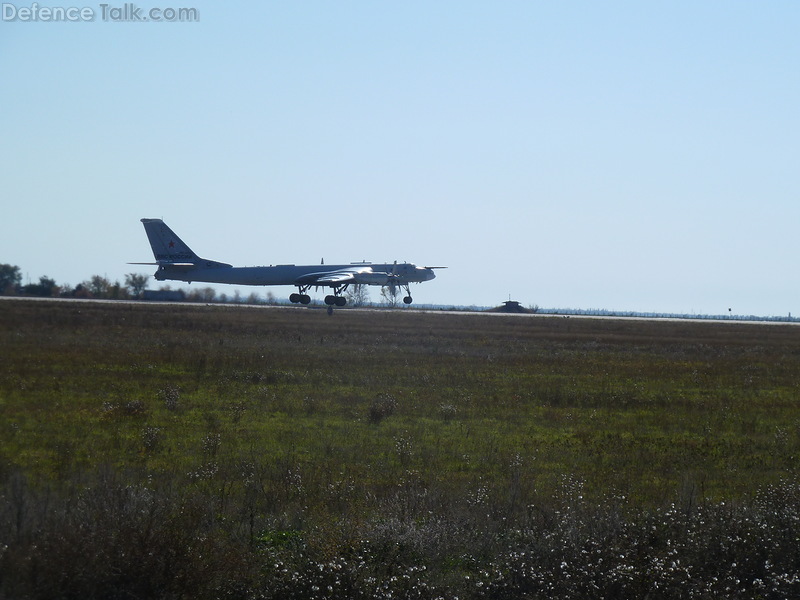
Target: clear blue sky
619,155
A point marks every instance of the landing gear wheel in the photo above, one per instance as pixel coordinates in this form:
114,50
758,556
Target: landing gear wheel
330,300
341,300
301,298
408,299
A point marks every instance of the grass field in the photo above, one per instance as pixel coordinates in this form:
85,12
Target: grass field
158,451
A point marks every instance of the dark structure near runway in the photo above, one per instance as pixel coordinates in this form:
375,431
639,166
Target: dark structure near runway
511,306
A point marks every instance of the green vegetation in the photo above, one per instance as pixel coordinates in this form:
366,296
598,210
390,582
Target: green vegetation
193,451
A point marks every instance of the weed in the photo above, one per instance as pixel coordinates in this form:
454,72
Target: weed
169,395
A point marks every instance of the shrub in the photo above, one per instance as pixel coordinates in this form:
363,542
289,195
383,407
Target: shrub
381,407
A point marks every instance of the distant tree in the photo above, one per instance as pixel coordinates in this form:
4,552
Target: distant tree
357,295
253,298
116,291
98,286
10,278
389,294
46,288
137,283
81,291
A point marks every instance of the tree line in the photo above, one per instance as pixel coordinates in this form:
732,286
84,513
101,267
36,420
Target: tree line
97,286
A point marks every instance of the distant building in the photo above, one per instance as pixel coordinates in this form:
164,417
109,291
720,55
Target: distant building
511,306
164,295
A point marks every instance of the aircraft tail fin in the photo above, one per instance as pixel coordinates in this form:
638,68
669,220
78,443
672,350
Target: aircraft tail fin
170,250
167,247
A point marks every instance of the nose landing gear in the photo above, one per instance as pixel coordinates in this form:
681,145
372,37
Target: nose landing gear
407,299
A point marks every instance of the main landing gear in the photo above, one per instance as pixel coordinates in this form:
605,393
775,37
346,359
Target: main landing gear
299,298
335,300
331,300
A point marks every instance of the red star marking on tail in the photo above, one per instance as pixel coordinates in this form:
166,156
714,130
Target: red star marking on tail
172,244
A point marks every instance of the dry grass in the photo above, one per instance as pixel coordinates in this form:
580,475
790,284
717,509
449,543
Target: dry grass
280,452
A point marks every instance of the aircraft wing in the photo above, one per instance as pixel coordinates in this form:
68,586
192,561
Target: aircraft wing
333,278
171,264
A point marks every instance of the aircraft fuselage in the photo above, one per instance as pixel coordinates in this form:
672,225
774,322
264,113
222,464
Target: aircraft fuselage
288,274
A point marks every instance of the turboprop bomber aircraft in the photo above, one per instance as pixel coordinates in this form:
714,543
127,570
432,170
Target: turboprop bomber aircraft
177,262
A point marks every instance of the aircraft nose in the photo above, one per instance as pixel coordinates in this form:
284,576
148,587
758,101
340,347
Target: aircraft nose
428,274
